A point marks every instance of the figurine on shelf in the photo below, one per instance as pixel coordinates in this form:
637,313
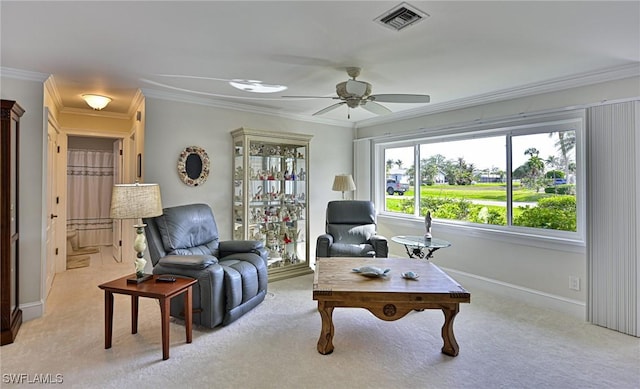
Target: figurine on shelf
302,175
427,225
255,149
258,195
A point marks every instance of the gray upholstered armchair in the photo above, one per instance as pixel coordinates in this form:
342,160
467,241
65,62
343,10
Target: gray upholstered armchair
351,231
232,275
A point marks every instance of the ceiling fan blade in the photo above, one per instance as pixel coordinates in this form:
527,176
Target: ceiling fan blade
400,98
329,108
310,97
375,108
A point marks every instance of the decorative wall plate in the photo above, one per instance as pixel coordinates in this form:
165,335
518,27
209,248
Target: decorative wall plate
193,166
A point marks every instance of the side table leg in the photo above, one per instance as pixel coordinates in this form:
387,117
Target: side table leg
325,343
134,314
450,345
108,319
164,312
188,314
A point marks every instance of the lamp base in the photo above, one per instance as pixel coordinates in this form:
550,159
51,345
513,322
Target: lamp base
136,280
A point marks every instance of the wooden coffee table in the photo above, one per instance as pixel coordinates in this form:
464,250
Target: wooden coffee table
388,298
163,291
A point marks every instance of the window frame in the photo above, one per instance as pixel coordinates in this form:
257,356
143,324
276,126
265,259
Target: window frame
510,127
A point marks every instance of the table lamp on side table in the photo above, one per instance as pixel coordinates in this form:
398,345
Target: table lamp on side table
135,201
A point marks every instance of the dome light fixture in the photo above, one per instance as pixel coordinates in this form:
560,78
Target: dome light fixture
96,102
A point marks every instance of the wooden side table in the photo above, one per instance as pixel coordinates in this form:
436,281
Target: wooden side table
163,291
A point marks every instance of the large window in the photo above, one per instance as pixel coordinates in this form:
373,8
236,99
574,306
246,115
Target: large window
517,177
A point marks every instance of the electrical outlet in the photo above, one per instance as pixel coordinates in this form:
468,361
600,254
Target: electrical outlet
574,282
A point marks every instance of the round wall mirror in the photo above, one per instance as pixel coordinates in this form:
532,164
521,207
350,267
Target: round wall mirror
193,166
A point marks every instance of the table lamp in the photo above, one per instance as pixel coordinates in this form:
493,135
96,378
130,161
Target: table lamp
343,183
135,201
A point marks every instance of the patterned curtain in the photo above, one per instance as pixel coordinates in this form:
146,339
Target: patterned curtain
89,183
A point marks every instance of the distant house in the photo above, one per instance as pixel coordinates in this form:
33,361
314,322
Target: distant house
490,178
398,174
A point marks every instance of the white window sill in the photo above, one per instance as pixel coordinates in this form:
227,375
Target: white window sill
559,243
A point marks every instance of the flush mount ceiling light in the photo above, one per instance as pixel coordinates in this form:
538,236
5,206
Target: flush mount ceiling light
96,102
256,86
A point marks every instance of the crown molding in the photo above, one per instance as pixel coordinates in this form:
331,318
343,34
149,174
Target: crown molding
23,74
94,113
185,98
52,88
137,99
547,86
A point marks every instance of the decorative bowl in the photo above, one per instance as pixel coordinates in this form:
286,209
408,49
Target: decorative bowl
371,271
410,275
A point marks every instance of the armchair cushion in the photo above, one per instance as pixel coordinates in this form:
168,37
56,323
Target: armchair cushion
230,247
351,250
351,234
188,230
188,261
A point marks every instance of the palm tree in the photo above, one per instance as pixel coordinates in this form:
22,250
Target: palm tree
535,169
565,144
389,164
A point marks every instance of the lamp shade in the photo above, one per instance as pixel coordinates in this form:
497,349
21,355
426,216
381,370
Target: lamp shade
96,102
133,201
343,183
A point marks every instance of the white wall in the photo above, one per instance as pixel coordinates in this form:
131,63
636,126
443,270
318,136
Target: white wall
172,126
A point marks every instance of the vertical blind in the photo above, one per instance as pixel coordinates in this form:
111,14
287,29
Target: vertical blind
613,216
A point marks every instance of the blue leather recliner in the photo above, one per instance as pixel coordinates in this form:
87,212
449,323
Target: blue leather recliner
232,275
351,231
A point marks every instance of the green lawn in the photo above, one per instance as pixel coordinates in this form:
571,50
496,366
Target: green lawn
489,192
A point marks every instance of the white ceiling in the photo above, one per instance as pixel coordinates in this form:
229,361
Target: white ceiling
463,49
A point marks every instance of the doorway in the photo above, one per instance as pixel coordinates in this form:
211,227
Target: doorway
93,166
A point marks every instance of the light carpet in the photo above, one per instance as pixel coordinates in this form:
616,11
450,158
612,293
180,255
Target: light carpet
503,344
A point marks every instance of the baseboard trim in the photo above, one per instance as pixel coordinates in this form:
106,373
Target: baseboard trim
575,308
32,310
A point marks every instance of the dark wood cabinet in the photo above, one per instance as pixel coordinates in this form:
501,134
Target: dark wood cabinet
11,315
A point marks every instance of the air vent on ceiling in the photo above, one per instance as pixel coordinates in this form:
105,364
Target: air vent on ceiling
401,16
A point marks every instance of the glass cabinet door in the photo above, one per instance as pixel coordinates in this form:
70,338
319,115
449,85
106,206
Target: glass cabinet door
270,197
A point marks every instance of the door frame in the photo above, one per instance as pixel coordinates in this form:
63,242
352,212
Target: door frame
54,239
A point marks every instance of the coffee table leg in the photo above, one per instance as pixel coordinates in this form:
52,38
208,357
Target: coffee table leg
325,343
188,313
108,319
450,345
164,312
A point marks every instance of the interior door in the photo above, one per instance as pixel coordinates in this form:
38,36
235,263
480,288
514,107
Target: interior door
118,163
53,252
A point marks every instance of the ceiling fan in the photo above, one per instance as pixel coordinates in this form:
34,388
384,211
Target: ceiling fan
355,93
